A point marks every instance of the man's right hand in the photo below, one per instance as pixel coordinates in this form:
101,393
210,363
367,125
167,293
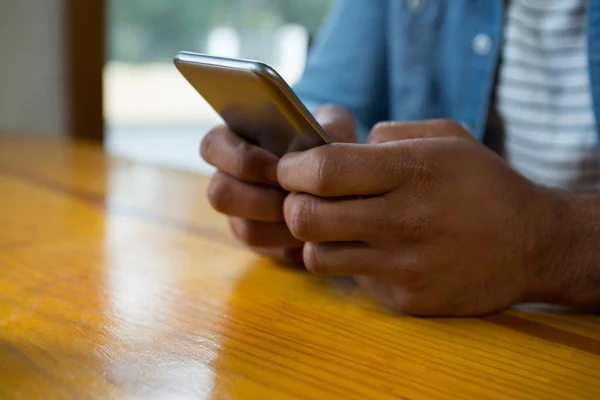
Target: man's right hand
245,186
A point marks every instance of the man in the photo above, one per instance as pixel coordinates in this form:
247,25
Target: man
425,216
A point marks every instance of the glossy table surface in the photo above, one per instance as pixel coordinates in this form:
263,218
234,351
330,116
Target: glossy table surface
117,281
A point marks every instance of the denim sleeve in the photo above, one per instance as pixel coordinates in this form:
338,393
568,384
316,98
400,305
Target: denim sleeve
347,64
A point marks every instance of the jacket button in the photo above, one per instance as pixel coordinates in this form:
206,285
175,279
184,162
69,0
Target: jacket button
482,44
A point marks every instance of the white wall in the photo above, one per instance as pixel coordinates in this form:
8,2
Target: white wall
32,84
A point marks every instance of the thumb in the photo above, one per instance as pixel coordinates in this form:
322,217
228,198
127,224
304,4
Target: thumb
337,122
393,131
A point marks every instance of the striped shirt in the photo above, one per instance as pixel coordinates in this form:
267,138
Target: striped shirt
543,94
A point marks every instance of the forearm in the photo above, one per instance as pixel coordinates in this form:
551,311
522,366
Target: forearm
570,269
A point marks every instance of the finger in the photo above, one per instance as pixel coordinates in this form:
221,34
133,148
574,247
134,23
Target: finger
263,234
236,198
389,295
231,154
286,256
337,122
335,259
400,298
392,131
341,169
314,219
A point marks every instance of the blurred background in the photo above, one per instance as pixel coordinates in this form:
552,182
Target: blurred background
147,102
64,59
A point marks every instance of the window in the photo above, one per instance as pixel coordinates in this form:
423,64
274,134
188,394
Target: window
152,114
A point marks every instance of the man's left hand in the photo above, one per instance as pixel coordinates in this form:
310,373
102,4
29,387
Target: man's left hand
425,218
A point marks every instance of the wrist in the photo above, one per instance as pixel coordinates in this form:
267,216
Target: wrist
548,247
566,259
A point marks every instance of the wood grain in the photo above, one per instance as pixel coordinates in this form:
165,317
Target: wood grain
118,281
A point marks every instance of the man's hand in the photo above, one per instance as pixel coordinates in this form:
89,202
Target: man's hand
246,189
432,225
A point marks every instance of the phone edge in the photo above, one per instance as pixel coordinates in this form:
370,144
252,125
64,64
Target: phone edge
263,71
273,77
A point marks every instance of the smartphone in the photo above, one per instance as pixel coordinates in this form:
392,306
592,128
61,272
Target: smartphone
254,101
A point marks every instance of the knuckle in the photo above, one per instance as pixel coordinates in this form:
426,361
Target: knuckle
422,169
389,131
378,132
328,108
248,162
209,145
428,177
313,260
299,216
220,193
449,125
328,168
340,131
382,127
331,128
242,160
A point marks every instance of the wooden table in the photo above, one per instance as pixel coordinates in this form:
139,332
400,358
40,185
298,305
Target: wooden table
118,281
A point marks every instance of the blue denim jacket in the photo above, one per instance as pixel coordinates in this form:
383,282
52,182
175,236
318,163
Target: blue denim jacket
417,59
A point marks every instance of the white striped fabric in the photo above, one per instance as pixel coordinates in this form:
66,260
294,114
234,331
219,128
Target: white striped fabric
543,94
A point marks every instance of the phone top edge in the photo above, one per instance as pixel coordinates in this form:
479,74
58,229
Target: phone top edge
216,61
258,68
